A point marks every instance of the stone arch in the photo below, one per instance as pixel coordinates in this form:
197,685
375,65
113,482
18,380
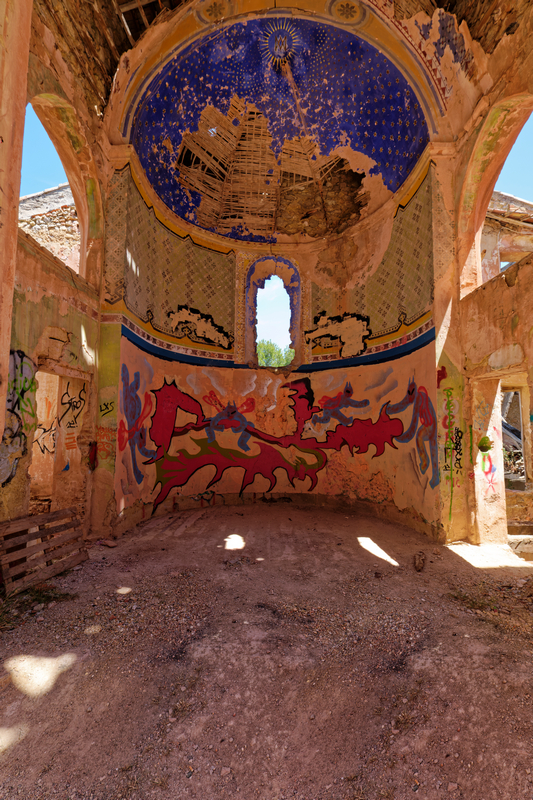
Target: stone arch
62,125
489,152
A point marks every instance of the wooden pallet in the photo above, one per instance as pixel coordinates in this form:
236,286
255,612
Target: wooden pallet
33,549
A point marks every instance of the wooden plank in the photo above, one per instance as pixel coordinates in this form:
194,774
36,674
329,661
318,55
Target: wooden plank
45,574
42,533
129,5
8,558
42,559
23,523
143,15
124,23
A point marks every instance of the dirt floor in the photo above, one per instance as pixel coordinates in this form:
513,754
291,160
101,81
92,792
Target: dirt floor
302,665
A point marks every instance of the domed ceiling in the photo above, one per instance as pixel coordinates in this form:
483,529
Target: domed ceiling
240,132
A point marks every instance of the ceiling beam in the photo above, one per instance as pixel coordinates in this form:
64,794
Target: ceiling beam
124,23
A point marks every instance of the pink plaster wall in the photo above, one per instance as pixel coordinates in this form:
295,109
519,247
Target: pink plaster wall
200,434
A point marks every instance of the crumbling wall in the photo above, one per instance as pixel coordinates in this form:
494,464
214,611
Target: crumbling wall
496,323
51,219
54,330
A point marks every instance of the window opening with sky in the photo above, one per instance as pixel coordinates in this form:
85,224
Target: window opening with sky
47,211
273,324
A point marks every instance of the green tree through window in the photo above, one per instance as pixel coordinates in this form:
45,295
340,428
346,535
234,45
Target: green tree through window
270,355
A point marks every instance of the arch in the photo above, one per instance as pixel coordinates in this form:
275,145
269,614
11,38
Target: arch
259,272
62,125
497,135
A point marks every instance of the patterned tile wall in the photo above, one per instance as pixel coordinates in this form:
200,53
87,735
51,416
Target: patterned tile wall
161,271
403,282
115,239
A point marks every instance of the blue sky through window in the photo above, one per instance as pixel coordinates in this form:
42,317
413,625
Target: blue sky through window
273,313
41,166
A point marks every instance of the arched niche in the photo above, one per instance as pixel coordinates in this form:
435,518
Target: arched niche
62,125
259,272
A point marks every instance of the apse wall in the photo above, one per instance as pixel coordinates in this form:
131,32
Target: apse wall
192,422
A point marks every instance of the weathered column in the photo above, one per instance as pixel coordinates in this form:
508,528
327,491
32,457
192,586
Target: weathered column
451,409
490,251
14,55
488,475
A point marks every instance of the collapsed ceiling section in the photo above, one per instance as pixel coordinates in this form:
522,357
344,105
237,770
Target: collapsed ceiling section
257,130
242,183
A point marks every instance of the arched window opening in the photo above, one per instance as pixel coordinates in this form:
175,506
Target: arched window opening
47,211
273,338
272,323
507,235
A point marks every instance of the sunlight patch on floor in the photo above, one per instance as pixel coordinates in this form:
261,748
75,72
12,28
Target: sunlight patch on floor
376,550
488,555
10,736
36,676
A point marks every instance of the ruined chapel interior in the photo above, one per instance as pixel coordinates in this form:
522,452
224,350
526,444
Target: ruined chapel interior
286,582
350,148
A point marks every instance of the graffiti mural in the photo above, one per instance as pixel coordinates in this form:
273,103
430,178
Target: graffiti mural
332,407
423,425
21,414
136,413
257,452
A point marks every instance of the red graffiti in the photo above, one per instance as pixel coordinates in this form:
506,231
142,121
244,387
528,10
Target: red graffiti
176,470
173,471
441,375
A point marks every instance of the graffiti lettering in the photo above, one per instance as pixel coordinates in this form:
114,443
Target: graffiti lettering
107,408
73,406
458,447
45,438
106,441
489,471
448,422
21,414
21,389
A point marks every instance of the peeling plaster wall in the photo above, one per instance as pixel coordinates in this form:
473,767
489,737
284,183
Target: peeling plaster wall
190,435
54,330
501,357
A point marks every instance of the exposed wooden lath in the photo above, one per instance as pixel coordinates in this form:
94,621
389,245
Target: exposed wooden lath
234,169
138,15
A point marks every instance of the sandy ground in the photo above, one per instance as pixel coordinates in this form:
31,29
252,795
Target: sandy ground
302,665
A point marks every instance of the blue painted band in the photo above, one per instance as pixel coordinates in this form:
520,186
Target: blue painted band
357,361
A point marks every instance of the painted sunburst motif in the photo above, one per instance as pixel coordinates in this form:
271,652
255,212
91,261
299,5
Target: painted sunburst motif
279,42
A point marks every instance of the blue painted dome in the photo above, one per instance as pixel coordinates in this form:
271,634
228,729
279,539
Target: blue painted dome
244,124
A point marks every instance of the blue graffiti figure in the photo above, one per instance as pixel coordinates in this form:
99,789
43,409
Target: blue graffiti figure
423,424
136,413
331,406
230,417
